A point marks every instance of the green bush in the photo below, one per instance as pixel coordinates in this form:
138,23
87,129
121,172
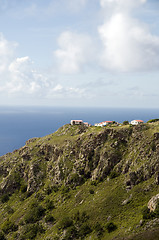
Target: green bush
71,233
23,188
34,213
113,174
8,226
153,120
9,209
30,231
5,198
84,230
49,204
146,214
99,229
91,191
125,123
2,237
49,218
153,146
111,227
94,183
65,223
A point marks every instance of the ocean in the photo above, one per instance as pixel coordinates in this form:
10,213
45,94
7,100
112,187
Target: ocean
18,124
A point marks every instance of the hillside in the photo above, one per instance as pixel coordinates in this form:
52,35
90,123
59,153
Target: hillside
82,183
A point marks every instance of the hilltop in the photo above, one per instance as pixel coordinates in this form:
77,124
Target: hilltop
82,183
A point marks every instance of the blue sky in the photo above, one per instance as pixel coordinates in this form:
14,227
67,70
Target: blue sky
79,53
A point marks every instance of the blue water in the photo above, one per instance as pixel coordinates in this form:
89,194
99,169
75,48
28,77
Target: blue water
18,124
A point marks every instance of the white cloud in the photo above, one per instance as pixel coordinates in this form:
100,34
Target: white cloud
74,51
6,52
24,78
128,43
60,91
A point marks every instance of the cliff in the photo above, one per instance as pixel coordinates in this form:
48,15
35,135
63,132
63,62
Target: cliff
82,183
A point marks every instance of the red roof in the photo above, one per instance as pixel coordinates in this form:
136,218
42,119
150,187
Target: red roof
139,120
107,122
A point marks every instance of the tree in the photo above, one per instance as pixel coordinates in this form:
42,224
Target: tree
125,123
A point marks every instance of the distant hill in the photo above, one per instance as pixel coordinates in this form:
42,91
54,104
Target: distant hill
83,183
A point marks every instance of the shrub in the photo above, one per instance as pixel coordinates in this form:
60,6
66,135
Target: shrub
111,227
65,223
34,213
2,237
49,204
91,191
113,174
125,123
30,231
71,233
49,218
153,120
94,183
99,229
5,198
146,214
8,226
84,230
9,209
153,146
23,188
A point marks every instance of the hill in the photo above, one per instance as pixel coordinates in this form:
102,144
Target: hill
83,183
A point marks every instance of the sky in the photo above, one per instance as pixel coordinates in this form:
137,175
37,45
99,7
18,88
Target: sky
85,53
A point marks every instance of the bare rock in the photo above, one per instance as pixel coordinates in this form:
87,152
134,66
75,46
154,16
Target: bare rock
152,204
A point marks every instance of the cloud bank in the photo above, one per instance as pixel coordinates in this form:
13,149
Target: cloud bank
128,44
20,78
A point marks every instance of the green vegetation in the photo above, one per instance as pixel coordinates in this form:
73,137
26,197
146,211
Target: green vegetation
153,120
111,227
126,123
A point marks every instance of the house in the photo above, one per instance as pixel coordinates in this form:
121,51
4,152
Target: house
87,124
136,122
102,124
97,125
77,122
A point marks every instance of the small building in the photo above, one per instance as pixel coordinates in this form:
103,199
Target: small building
77,122
136,122
87,124
102,124
97,125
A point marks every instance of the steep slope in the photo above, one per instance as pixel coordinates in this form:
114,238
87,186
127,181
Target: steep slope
80,183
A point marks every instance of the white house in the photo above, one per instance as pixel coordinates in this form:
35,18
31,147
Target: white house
136,122
76,122
102,124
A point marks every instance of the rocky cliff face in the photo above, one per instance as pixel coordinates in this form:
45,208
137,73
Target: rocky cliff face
76,154
82,154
